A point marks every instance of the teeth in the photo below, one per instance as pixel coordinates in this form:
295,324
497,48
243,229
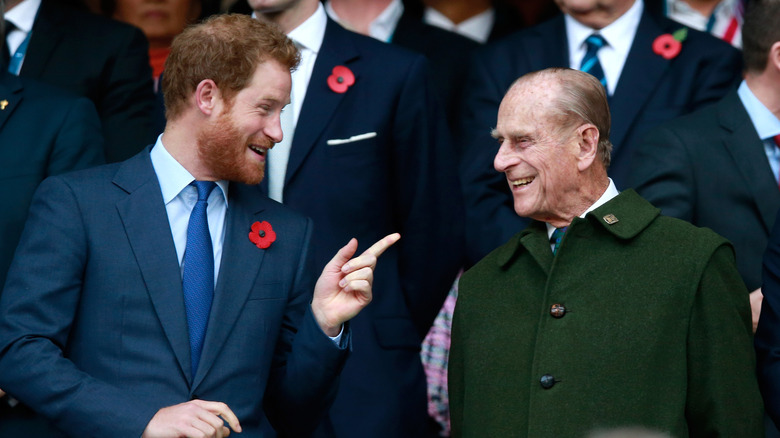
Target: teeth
522,181
258,150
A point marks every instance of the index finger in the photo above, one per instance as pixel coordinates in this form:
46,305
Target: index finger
381,246
223,411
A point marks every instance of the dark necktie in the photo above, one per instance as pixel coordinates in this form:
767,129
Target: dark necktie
590,63
9,27
556,238
198,276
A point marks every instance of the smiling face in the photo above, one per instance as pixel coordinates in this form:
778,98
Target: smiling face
160,20
538,156
233,145
595,14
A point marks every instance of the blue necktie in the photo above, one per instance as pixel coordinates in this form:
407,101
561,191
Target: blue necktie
198,276
590,63
556,238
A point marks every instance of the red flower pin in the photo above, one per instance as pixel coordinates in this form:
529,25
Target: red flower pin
669,45
341,79
262,234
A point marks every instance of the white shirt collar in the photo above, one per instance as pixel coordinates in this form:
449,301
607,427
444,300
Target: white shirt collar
383,26
766,124
311,32
173,177
608,194
477,27
23,14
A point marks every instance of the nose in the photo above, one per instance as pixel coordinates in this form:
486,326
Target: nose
504,160
274,130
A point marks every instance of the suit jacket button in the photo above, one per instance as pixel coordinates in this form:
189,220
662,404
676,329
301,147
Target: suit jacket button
557,310
547,381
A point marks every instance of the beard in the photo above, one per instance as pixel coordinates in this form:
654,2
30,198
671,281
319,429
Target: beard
221,145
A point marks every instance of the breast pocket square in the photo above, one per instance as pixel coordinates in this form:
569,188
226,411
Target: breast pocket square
354,138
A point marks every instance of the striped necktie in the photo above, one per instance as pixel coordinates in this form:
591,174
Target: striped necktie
556,238
590,63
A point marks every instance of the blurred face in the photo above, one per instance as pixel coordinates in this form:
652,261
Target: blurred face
235,143
595,14
271,6
538,157
160,20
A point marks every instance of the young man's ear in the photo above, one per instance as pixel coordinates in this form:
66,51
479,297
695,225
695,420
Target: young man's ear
207,96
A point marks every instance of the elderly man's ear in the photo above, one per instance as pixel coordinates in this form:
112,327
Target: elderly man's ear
588,138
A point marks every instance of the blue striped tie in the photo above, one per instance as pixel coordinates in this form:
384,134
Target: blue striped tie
556,238
590,63
198,275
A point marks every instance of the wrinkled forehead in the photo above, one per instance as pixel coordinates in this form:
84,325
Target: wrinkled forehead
528,103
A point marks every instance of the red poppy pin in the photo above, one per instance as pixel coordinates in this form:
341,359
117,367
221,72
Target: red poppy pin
341,79
262,234
669,45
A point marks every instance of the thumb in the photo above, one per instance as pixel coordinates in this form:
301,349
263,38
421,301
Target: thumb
342,256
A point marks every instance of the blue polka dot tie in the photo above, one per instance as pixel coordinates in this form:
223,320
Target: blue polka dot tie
590,63
198,275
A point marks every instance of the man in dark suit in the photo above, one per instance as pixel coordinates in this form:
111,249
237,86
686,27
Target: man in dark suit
645,89
92,56
761,38
602,313
718,167
369,124
69,139
156,298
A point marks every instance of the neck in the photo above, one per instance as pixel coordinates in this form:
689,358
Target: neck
704,7
292,17
10,4
181,142
359,14
580,199
765,87
459,11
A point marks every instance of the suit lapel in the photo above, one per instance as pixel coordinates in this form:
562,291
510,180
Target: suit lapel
239,269
148,230
47,34
10,95
747,150
641,72
321,103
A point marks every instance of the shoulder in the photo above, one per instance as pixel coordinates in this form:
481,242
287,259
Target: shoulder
89,25
367,48
696,44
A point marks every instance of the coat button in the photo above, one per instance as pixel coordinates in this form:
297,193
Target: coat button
557,310
547,381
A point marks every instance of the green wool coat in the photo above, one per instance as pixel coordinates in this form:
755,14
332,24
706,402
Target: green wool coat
656,332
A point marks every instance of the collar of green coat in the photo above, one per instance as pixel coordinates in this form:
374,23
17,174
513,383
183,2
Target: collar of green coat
624,216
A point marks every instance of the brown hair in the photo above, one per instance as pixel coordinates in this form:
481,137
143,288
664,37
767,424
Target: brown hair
581,99
760,30
226,49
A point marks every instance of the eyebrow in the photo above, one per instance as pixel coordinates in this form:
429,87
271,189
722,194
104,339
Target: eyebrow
494,133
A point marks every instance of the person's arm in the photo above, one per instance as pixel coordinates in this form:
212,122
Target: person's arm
37,311
79,142
722,396
767,341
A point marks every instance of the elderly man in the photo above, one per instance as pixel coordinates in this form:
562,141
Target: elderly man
602,313
161,296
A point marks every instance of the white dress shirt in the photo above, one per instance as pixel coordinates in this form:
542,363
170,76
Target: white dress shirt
619,36
477,27
383,26
23,17
717,24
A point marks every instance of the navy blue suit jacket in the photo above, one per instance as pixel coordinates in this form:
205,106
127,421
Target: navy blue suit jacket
651,90
767,339
30,150
709,168
402,180
93,330
103,60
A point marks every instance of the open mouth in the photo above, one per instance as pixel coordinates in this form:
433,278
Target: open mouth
258,150
522,181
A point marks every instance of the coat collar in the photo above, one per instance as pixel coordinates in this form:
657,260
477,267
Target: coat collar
11,93
624,216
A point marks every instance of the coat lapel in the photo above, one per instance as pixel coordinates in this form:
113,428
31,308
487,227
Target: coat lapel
239,269
47,34
10,96
747,150
641,73
321,103
146,223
